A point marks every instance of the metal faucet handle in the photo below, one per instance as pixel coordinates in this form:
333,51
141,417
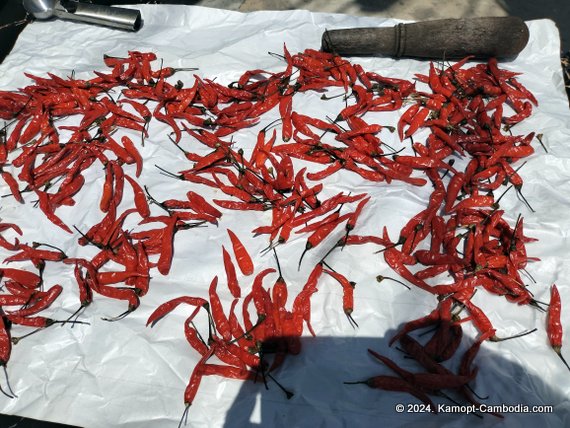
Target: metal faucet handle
108,16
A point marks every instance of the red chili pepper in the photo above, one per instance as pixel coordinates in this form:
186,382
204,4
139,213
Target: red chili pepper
5,344
417,351
426,321
140,200
351,223
417,121
322,232
404,374
201,205
472,202
435,83
285,174
193,338
169,306
417,162
242,256
394,259
362,239
119,183
107,194
106,278
13,185
242,337
347,294
391,383
67,190
23,277
285,110
246,355
228,372
406,118
312,227
167,246
325,207
240,206
480,320
302,303
85,292
279,291
13,300
12,141
194,383
51,295
233,191
233,284
134,153
48,211
140,108
554,326
220,320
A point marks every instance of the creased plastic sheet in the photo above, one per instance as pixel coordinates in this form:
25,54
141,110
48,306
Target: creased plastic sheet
123,374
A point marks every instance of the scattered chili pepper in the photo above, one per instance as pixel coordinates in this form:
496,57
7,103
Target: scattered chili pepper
554,327
242,256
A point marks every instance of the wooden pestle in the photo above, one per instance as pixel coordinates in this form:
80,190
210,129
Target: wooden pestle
438,39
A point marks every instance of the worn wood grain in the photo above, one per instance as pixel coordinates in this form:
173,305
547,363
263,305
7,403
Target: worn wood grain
444,38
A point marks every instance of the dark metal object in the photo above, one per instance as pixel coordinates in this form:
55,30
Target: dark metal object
108,16
11,13
443,38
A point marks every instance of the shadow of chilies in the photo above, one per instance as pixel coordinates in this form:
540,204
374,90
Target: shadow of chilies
351,381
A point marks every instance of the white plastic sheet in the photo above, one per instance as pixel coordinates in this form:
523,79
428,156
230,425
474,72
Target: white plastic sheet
124,374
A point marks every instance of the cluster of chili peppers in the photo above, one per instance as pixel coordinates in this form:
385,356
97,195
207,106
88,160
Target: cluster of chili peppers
243,348
461,242
462,234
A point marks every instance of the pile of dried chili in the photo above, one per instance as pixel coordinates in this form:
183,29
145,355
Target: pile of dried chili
460,128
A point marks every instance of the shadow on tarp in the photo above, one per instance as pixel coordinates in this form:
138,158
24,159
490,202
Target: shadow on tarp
10,421
316,377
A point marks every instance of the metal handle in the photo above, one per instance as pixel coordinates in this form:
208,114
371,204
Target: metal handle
108,16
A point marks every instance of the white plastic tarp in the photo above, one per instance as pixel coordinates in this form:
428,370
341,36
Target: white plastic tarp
124,374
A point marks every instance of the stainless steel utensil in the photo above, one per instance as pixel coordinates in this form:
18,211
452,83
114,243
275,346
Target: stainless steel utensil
108,16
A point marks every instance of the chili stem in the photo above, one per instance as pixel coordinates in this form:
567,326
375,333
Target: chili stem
184,417
501,339
558,351
381,278
289,394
